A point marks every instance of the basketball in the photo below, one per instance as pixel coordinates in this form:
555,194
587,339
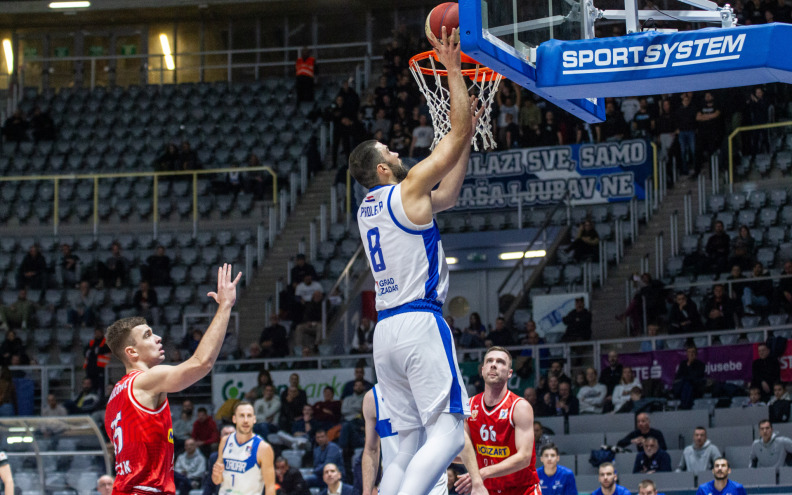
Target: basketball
446,14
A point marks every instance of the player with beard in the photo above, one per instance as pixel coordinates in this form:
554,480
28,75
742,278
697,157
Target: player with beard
607,480
245,462
501,430
138,418
721,485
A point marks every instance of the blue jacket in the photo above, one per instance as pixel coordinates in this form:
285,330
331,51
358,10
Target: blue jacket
345,490
330,454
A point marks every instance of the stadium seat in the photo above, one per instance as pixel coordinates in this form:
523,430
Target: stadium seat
579,443
754,477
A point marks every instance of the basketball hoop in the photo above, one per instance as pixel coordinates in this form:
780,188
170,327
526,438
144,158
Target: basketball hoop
483,83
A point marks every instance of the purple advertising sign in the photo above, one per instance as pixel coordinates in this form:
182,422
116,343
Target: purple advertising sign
732,362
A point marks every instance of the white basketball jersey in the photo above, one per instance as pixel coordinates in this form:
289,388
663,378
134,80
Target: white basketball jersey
242,474
407,260
389,441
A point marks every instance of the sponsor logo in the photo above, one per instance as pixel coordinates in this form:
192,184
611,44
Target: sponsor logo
235,466
493,450
473,414
170,435
122,468
703,50
503,414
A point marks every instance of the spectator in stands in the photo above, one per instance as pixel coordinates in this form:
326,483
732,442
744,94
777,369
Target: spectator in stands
770,449
188,158
554,479
87,401
399,140
290,480
530,395
686,133
68,265
32,271
169,160
684,317
205,432
157,268
781,11
612,374
12,346
592,394
274,339
690,379
82,306
300,398
652,329
15,128
765,371
511,133
52,409
700,455
622,391
189,469
651,294
578,323
548,133
501,335
19,314
550,394
785,288
97,357
114,272
607,480
719,310
267,410
302,268
43,126
363,337
643,124
353,426
737,288
343,121
721,484
8,397
262,380
473,336
146,303
614,128
759,113
327,412
717,249
666,129
586,244
331,474
541,436
104,485
743,248
642,431
359,375
757,294
779,404
306,289
422,137
566,404
652,459
710,127
635,404
325,452
304,83
182,427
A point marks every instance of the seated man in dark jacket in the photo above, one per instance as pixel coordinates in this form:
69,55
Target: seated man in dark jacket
684,317
719,310
690,379
289,478
758,294
652,459
643,430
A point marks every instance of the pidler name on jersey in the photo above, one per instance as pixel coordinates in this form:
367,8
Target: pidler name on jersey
370,210
493,450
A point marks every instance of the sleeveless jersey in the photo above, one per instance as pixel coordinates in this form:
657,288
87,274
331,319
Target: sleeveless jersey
492,433
143,442
242,474
407,260
389,440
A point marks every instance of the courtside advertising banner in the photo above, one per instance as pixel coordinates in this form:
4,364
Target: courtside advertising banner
658,63
727,362
235,385
588,173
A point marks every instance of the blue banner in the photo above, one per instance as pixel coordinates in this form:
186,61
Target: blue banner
589,173
653,63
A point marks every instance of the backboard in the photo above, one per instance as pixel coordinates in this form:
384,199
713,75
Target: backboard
504,35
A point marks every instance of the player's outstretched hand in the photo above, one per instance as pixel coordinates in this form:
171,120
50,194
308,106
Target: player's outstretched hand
226,289
448,49
217,469
463,484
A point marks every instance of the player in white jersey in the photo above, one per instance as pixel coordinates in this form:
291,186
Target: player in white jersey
413,349
245,462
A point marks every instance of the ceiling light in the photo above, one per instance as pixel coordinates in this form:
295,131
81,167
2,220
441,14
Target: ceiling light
451,260
9,56
166,50
69,5
515,255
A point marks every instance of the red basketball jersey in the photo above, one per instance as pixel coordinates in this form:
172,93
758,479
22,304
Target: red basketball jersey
492,432
143,442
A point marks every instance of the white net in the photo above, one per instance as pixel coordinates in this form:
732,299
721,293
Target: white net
482,82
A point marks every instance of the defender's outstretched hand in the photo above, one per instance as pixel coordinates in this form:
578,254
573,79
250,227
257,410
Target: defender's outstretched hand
226,289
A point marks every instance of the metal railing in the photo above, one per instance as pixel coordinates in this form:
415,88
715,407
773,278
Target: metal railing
737,131
156,176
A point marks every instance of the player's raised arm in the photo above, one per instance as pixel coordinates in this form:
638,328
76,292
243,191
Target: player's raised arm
424,176
371,448
168,379
266,461
523,440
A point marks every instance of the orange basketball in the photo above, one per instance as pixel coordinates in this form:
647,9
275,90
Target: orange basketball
445,14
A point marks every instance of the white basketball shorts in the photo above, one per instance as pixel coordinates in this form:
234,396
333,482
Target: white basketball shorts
417,367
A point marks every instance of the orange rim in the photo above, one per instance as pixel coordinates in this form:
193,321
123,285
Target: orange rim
481,73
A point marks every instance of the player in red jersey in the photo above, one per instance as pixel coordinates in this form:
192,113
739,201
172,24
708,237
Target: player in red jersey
500,427
138,418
